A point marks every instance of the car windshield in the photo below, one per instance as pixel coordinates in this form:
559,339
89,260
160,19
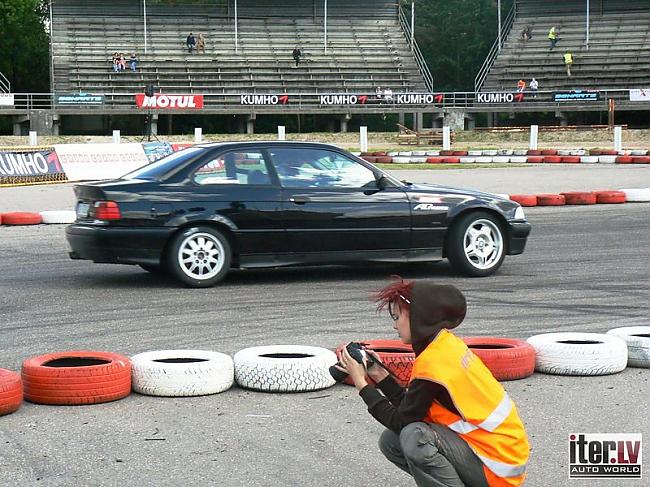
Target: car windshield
160,167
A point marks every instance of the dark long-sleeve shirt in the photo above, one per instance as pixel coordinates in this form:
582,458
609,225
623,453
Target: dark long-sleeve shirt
396,407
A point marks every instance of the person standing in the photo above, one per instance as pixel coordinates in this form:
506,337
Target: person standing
200,44
568,62
454,425
297,53
552,37
521,86
534,85
133,62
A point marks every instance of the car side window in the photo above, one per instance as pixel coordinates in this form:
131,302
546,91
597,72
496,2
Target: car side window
319,168
235,167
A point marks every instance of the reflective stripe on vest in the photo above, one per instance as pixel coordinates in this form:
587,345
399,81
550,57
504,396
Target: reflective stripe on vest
492,422
503,469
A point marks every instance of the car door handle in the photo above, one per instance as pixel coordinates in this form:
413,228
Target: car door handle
299,200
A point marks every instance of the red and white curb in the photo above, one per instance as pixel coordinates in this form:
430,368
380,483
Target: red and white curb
572,198
44,217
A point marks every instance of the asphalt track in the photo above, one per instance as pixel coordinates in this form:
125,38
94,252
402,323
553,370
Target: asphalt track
585,269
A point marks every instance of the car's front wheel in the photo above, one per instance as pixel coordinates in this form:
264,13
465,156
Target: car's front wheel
476,244
199,256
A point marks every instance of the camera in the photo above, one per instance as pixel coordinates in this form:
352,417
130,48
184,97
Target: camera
358,353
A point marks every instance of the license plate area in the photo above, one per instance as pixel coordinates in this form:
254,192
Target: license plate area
82,209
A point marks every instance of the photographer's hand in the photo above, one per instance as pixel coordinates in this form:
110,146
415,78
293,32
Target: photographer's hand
376,372
356,371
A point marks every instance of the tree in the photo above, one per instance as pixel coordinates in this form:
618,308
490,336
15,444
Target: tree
24,44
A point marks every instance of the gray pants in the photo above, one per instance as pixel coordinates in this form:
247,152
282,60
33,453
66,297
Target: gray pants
434,455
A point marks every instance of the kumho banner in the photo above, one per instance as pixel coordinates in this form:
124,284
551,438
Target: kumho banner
91,162
173,102
642,94
25,167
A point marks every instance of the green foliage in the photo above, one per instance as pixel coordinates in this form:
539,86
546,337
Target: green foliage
24,45
455,36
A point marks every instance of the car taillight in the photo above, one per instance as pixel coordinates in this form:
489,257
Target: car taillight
107,210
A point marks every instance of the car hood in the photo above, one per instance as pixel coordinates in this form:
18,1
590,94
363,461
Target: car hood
452,191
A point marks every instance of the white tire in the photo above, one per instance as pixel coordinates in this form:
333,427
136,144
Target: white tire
419,153
519,159
638,344
520,152
284,368
638,152
501,159
474,153
607,159
467,160
637,195
432,153
401,160
418,160
579,353
60,216
589,159
483,159
180,373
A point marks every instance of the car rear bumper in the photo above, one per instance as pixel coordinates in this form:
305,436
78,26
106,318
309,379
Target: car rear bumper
517,237
117,245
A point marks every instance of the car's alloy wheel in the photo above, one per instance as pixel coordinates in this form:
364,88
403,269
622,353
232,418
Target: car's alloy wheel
476,246
200,256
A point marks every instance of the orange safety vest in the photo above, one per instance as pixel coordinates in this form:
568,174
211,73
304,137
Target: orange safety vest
488,419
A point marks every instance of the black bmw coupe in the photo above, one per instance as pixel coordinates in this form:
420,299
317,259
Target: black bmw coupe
209,208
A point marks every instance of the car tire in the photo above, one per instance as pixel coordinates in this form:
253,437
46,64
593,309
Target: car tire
481,253
181,373
638,344
284,368
506,358
575,353
11,392
197,243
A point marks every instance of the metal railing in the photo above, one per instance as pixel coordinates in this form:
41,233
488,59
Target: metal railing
495,50
5,84
419,58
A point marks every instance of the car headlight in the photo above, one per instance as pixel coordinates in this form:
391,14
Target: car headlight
519,214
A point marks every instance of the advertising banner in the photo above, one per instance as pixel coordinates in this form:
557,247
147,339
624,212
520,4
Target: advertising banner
264,99
29,167
6,99
157,150
642,94
90,162
496,98
79,99
576,95
166,102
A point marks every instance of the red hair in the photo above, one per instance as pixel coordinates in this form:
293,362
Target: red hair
397,291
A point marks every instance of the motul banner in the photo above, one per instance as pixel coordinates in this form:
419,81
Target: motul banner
174,102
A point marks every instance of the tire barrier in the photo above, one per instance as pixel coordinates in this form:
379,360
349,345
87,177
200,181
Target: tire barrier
547,199
21,218
552,159
11,392
76,377
284,368
397,356
535,159
181,373
637,339
579,353
58,217
507,358
524,199
610,197
637,195
579,198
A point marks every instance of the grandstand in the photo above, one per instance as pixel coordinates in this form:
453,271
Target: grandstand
617,57
366,47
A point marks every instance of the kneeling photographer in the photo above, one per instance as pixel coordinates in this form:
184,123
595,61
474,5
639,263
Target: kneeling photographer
454,425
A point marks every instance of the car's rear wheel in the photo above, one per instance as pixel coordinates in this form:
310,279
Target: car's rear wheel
199,256
476,245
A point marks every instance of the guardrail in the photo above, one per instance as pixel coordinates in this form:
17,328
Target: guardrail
5,84
494,51
419,58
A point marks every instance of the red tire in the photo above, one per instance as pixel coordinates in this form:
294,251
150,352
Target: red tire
610,197
459,153
535,159
507,358
550,200
369,158
524,199
379,154
451,160
579,198
77,377
11,392
570,159
21,218
552,159
435,160
641,159
608,152
549,152
624,160
534,152
446,153
397,356
384,159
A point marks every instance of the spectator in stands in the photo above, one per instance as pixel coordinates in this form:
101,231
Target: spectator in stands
521,86
379,93
190,42
133,62
296,55
388,95
552,36
200,44
525,34
122,62
534,85
116,62
568,62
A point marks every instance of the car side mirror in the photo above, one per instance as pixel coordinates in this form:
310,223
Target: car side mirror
382,182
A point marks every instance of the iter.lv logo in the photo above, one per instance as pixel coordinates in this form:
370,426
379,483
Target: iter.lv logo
605,456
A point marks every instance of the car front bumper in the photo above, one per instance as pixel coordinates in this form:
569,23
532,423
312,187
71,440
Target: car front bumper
116,245
517,236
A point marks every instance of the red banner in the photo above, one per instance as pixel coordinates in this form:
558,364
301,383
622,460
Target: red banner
174,102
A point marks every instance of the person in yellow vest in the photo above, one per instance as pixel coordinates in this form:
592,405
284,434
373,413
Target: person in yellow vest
568,62
454,425
552,37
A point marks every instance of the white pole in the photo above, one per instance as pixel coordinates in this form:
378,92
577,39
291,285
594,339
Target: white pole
446,138
587,42
363,138
412,24
499,15
281,133
325,25
33,137
198,135
618,138
51,51
236,36
534,131
144,11
116,136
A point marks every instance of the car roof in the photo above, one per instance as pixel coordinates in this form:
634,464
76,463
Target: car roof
280,143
